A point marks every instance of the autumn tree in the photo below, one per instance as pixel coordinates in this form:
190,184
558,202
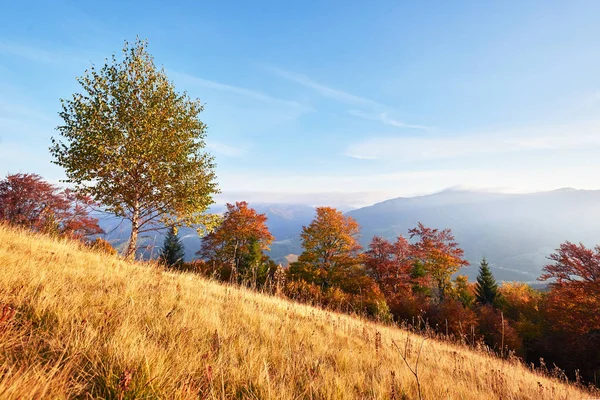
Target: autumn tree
574,276
331,270
486,288
463,291
173,251
239,241
525,308
331,248
390,264
438,254
573,308
29,201
135,145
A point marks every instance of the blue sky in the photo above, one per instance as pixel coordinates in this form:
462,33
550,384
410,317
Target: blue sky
331,102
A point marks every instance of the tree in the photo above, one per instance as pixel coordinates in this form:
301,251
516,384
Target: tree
390,264
27,200
172,252
574,299
136,146
439,254
330,269
240,239
463,290
331,248
486,288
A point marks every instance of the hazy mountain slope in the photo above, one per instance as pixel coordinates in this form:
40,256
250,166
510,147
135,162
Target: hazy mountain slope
79,324
285,222
515,232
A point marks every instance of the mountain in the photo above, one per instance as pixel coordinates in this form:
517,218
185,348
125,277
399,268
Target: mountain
515,232
75,323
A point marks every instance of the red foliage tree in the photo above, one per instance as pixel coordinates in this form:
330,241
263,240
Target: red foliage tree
27,200
574,299
439,254
390,264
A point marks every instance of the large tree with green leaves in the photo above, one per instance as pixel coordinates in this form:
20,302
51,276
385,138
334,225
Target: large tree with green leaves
137,146
486,288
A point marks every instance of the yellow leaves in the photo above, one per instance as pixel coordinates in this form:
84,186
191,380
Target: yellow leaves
115,148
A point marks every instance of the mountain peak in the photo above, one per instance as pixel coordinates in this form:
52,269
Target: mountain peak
566,189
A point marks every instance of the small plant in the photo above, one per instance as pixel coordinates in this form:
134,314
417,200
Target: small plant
124,382
405,354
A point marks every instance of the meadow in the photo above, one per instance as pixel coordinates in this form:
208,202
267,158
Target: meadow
78,323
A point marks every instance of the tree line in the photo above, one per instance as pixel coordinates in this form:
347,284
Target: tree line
133,146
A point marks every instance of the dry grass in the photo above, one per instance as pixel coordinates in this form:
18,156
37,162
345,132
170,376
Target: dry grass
88,325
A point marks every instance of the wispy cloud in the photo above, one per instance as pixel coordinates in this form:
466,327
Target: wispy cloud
385,119
42,55
565,137
255,94
323,90
376,111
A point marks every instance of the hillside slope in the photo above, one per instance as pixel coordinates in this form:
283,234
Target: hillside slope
76,323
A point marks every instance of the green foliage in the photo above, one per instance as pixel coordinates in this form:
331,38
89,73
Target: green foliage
136,145
419,277
173,251
255,268
462,291
486,288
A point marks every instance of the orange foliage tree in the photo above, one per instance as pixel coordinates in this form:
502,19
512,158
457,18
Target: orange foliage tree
331,260
331,248
243,234
439,255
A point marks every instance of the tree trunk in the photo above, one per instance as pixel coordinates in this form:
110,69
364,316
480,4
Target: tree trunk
135,228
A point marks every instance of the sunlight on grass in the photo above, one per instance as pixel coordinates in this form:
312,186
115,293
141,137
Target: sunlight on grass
78,323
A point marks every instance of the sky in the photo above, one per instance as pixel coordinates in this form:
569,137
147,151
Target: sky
334,102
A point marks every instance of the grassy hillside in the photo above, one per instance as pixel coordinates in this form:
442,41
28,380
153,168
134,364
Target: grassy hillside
74,323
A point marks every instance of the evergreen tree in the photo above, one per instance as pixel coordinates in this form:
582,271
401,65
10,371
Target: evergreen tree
418,276
486,288
172,252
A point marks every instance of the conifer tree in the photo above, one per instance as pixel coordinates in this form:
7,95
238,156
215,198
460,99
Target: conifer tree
486,288
172,252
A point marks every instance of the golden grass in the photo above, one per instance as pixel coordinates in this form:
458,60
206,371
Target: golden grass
89,325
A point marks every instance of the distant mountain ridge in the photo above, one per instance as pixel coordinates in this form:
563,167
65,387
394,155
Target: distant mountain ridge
515,232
